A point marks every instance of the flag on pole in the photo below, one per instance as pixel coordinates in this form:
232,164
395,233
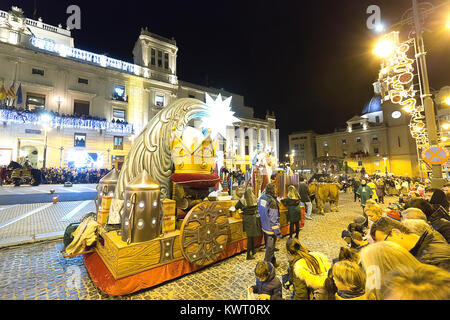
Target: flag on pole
3,94
11,92
19,95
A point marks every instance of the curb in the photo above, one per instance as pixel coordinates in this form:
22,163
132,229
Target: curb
11,242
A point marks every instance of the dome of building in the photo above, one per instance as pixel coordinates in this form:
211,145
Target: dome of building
374,105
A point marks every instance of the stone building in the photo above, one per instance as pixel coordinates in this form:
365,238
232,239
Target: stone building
100,104
377,140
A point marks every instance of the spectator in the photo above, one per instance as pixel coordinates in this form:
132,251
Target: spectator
426,248
269,211
307,270
268,286
364,192
251,222
378,259
419,227
424,282
303,190
413,213
438,219
294,214
439,198
350,280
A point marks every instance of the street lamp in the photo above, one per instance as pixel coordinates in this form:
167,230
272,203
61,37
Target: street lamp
384,48
45,120
385,165
46,130
59,99
447,101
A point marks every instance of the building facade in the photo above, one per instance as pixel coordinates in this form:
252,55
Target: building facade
378,140
98,104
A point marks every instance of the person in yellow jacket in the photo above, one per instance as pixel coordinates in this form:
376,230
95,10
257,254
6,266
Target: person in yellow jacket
307,270
372,186
350,281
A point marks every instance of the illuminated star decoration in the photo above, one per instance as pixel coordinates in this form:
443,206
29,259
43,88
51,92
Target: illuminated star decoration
218,115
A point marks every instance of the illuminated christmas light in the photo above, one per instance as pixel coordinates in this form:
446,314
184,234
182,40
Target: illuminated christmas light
219,115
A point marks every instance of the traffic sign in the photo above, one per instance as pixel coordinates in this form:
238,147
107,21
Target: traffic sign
435,155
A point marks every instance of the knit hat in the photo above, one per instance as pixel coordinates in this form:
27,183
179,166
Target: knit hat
394,215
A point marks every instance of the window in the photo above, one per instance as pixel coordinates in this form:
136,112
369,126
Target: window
360,163
79,140
80,107
159,58
358,139
302,146
375,150
375,139
296,146
377,119
344,141
159,100
35,101
118,143
119,114
247,151
192,96
325,144
398,140
166,61
39,72
119,93
153,59
83,81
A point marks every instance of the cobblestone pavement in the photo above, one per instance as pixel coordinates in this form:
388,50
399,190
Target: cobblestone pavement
38,271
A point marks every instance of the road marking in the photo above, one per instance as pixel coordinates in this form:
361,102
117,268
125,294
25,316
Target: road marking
76,210
7,223
8,207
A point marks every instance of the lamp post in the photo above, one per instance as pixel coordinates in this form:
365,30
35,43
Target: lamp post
45,121
59,99
60,156
385,49
46,130
436,181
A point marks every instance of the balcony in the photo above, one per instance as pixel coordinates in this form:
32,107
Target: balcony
9,115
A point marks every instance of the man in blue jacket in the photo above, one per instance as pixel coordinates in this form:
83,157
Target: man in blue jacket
269,211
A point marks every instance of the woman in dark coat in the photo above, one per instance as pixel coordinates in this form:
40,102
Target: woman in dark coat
439,198
251,222
294,214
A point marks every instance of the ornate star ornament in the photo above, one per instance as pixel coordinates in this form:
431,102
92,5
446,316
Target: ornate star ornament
219,115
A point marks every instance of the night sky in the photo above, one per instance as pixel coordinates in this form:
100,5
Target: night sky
308,61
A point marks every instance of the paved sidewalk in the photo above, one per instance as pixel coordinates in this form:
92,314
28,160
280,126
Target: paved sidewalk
38,271
24,223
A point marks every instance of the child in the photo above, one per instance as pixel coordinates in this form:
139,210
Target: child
268,286
350,281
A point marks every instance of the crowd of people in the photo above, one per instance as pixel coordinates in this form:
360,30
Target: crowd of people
60,175
396,253
73,175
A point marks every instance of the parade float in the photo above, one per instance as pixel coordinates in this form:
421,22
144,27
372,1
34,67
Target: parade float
159,218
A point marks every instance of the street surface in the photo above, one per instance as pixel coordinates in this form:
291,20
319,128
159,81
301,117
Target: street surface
10,195
38,271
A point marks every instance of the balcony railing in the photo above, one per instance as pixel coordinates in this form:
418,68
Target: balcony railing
34,118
